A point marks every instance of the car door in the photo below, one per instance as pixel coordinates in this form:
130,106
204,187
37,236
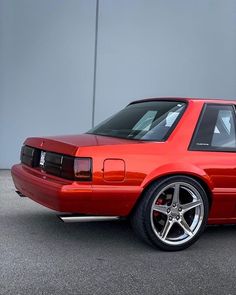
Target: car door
214,144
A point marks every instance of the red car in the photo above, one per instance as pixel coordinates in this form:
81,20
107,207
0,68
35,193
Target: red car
169,164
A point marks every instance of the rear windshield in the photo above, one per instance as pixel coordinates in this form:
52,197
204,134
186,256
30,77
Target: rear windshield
151,120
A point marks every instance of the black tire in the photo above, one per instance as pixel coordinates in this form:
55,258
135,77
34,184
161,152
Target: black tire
171,226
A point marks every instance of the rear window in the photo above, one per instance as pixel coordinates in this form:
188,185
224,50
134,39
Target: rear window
151,120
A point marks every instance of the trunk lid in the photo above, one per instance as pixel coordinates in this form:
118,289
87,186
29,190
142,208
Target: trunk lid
69,144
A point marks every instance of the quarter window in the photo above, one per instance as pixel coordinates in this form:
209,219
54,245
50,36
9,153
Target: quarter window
216,129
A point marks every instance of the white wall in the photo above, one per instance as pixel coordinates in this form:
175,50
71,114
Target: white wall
165,48
145,48
47,63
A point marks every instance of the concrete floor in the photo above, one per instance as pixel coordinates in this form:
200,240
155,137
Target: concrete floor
41,255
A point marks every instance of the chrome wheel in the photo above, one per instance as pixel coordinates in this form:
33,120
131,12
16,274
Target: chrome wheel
177,213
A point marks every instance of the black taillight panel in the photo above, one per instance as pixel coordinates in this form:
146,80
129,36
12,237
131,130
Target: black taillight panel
67,170
53,163
60,165
30,156
53,158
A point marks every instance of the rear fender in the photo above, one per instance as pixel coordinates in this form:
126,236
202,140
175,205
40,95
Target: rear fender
177,169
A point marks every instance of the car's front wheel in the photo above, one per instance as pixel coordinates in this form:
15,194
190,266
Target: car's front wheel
172,213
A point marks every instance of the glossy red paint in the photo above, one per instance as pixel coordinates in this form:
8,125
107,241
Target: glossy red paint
123,169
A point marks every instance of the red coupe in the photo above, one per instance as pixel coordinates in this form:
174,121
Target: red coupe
168,164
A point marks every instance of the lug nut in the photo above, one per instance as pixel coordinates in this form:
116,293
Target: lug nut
177,217
174,205
168,210
180,209
170,218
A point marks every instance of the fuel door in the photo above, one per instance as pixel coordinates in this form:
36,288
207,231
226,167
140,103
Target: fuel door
114,170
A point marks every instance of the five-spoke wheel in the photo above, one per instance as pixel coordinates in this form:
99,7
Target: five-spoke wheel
172,213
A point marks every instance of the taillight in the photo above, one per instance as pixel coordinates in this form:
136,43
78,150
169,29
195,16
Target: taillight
30,156
83,169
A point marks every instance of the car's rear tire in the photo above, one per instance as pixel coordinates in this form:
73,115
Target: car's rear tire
172,213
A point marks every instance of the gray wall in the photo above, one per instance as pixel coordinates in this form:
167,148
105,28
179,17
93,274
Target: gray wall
144,48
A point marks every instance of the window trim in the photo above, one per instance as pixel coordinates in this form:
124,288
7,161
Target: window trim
193,147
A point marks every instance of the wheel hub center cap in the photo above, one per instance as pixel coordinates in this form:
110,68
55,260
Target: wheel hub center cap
174,211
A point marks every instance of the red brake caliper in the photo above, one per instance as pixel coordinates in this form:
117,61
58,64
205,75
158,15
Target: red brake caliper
160,201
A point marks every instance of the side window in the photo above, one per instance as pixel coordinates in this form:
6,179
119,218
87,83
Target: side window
216,129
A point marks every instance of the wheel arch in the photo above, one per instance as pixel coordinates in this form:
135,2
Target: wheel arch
206,184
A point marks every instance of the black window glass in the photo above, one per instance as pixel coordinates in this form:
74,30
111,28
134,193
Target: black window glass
151,120
216,129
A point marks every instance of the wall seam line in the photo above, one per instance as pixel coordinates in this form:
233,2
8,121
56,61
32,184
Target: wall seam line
95,63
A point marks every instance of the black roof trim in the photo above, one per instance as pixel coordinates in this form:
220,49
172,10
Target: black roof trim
183,99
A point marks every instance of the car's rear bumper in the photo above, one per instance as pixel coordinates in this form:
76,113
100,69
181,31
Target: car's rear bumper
68,196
